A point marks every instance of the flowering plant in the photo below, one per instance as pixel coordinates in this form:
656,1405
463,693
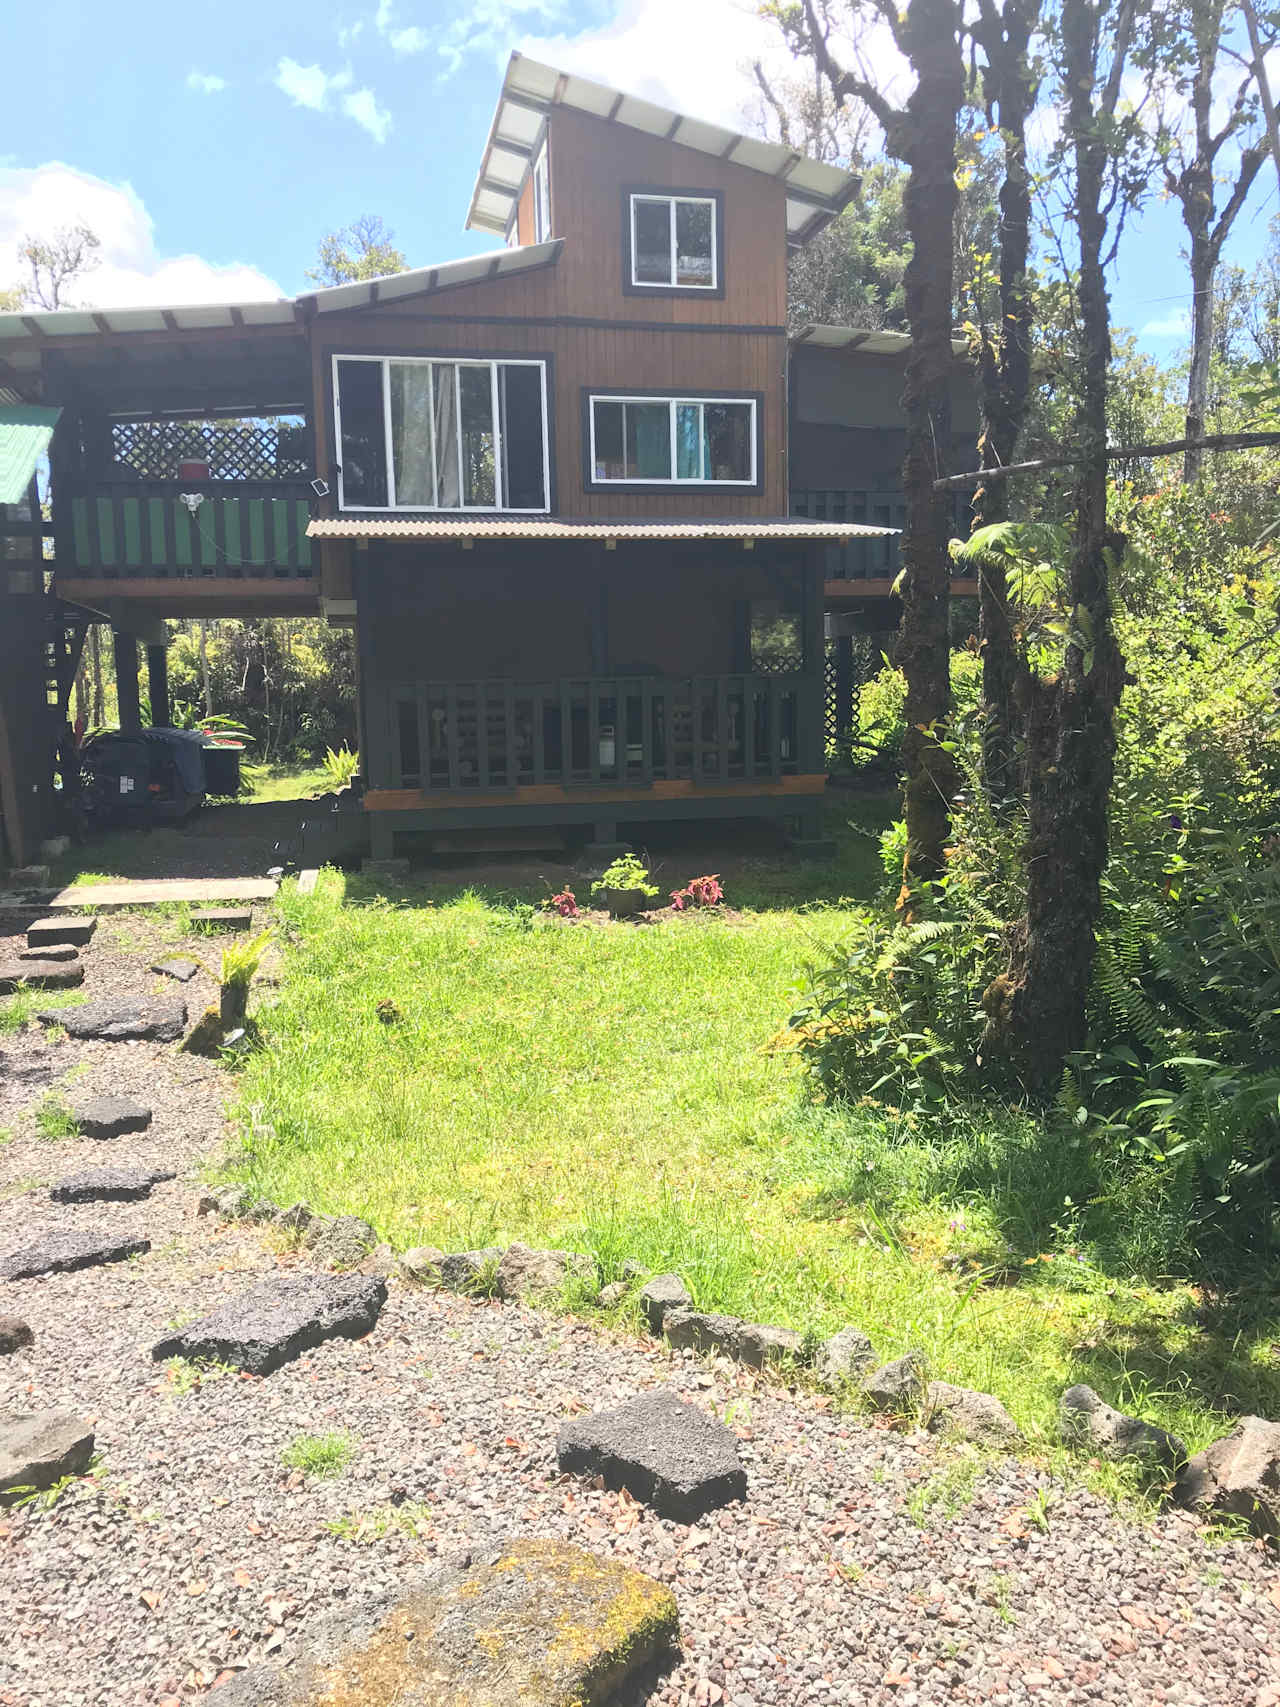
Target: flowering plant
698,892
565,904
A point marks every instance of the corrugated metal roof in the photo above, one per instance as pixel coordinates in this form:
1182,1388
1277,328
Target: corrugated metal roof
858,338
815,191
538,527
25,431
472,269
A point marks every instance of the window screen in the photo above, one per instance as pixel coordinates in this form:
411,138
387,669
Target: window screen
363,442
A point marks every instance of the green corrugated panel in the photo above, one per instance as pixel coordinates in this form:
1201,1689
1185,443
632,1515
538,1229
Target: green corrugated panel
231,530
304,544
106,532
25,431
80,531
279,531
155,522
132,532
182,536
257,530
205,526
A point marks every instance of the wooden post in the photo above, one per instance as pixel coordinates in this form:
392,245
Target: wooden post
158,686
126,651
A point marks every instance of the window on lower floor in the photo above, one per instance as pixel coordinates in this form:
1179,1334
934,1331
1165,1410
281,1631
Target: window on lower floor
675,440
419,433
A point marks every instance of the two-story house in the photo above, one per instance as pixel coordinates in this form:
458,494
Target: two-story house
548,485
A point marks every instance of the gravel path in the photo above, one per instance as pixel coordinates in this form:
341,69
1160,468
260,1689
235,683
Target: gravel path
866,1566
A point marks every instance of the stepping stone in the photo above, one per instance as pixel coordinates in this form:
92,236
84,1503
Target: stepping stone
109,1185
46,932
59,951
39,1448
110,1117
61,1252
532,1623
279,1320
223,918
183,970
161,1021
40,975
14,1334
660,1450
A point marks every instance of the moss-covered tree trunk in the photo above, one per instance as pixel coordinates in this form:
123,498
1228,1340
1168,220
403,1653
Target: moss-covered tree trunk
926,139
1037,1010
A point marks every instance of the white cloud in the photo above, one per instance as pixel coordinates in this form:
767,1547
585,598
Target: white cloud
308,85
311,86
490,26
364,109
411,39
131,271
347,33
206,82
1174,325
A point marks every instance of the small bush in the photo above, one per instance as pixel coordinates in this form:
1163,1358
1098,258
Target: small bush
340,766
698,892
319,1455
626,873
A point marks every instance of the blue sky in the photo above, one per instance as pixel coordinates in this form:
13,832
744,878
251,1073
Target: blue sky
211,146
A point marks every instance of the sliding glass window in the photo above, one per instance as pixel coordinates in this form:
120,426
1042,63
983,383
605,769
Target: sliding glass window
416,433
673,440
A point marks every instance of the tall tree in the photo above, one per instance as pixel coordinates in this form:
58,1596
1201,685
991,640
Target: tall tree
1010,82
921,132
53,264
1263,27
1036,1011
365,249
1196,123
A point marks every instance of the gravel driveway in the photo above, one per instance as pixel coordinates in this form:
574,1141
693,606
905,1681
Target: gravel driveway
866,1566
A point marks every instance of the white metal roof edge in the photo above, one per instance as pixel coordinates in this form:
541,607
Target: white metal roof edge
871,343
479,525
467,269
810,183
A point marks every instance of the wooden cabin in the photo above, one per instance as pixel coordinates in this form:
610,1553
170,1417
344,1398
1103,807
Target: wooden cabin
549,486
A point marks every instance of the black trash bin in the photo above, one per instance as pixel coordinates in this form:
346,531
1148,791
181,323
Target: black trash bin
142,775
222,767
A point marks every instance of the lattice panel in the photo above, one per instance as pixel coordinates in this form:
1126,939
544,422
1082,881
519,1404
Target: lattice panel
234,450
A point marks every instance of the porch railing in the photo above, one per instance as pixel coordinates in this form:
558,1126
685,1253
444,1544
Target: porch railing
141,527
632,730
867,559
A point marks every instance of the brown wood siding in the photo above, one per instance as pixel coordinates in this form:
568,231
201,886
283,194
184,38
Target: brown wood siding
524,213
596,357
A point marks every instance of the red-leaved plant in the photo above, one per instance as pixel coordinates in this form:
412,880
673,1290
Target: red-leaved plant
565,903
698,892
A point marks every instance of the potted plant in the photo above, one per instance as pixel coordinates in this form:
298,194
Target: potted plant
624,888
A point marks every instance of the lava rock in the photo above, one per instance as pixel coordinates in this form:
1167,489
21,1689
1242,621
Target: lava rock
183,970
899,1386
40,975
612,1294
469,1271
1087,1421
110,1117
62,953
532,1623
14,1335
844,1357
227,1202
421,1265
279,1320
972,1415
109,1185
160,1021
39,1448
758,1345
661,1450
664,1292
44,933
297,1218
1239,1474
61,1252
524,1272
343,1243
698,1330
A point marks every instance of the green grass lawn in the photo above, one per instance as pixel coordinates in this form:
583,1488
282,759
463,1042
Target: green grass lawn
612,1089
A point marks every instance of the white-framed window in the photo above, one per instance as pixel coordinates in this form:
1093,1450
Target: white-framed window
674,242
541,197
678,441
440,433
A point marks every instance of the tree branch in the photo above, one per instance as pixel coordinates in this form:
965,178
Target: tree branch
1114,453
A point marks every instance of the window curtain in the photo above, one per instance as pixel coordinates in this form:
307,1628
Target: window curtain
446,437
412,437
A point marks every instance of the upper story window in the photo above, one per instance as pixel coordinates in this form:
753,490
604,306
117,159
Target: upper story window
679,441
541,197
673,242
424,433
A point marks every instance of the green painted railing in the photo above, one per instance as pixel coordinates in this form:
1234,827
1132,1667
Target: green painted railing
240,528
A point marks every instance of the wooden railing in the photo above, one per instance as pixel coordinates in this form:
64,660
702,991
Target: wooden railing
141,527
631,730
866,559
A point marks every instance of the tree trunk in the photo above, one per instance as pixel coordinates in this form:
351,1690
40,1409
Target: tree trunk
926,139
1036,1011
1006,386
205,686
1202,274
99,714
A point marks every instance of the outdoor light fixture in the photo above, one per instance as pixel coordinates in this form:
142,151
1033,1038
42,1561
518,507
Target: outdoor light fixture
191,501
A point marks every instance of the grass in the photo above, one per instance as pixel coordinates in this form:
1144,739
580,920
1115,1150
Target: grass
609,1089
20,1009
54,1119
285,782
319,1455
412,1518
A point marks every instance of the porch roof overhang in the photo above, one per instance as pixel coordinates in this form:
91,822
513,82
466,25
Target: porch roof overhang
816,192
538,527
860,338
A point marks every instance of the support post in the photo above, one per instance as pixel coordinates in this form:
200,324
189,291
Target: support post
126,653
158,686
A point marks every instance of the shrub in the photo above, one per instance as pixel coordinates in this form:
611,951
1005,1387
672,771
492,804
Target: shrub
698,892
625,873
340,766
565,904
